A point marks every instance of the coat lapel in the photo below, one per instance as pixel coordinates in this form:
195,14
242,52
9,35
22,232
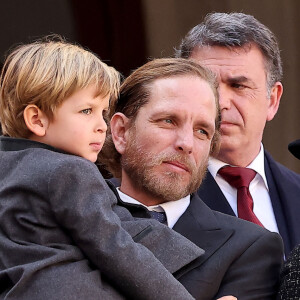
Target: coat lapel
200,226
212,196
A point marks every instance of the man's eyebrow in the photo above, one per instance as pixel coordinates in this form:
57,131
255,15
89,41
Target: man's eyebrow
164,113
239,79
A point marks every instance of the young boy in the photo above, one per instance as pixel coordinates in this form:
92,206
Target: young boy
60,227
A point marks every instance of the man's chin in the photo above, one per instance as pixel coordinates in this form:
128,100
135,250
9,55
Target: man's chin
167,194
168,187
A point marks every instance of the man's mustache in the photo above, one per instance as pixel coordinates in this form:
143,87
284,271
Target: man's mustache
182,159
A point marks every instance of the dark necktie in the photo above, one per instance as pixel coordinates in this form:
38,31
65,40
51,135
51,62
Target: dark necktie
240,178
159,216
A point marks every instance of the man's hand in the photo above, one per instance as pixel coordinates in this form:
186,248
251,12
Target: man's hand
228,298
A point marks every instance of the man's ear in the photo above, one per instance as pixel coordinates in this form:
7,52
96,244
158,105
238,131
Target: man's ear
276,93
35,120
119,126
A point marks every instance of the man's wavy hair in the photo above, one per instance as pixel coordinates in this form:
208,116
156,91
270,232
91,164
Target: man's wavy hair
135,92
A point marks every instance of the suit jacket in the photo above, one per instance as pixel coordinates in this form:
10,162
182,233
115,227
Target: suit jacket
284,187
290,277
60,231
241,258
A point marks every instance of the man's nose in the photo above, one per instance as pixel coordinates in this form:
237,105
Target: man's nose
185,140
224,97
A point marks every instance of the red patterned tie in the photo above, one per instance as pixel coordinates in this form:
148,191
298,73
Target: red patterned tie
240,178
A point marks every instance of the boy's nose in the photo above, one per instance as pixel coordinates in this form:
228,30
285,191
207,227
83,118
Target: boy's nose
101,125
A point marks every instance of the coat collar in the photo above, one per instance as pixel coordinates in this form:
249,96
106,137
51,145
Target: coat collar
138,211
200,225
18,144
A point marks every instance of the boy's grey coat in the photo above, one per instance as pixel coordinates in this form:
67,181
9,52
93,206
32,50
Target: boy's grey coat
57,230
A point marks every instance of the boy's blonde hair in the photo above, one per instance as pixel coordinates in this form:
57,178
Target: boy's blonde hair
45,73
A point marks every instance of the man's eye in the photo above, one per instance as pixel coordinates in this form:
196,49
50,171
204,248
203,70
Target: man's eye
86,111
169,121
202,132
237,86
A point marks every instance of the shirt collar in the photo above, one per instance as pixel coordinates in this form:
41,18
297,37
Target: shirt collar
173,209
258,165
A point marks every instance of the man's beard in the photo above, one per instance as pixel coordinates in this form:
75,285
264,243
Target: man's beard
166,186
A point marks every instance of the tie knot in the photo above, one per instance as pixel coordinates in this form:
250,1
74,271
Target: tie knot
237,177
159,216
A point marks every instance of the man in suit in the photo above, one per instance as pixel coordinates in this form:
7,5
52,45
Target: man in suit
245,57
164,127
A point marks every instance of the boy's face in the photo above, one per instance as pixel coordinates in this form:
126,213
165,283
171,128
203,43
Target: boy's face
78,126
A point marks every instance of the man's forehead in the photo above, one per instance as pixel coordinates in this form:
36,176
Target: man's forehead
180,95
167,84
227,56
237,63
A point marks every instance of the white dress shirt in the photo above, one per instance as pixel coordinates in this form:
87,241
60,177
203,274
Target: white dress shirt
173,209
262,206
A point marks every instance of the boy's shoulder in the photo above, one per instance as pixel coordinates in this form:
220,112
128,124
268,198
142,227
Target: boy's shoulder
50,160
42,167
61,167
42,157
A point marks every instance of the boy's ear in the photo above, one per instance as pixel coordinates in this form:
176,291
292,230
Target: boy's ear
119,126
35,120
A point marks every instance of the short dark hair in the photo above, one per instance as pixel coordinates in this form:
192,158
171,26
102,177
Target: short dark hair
235,30
136,91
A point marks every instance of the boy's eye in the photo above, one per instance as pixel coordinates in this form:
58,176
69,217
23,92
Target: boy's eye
86,111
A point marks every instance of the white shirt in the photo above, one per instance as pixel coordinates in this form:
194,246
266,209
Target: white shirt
173,209
259,190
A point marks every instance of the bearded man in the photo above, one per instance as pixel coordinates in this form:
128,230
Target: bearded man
164,127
